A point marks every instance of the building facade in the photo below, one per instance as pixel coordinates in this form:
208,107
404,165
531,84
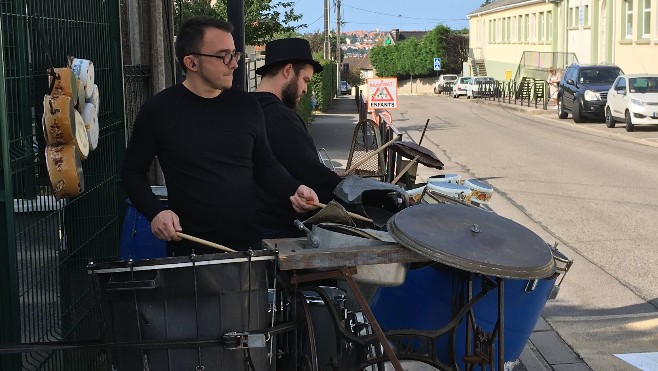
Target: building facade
558,32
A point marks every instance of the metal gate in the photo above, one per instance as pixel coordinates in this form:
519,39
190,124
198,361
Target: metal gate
45,291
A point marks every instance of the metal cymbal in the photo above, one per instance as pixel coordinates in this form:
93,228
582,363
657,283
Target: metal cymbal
411,150
473,240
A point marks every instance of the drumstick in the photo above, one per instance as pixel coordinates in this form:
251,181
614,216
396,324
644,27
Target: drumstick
404,170
204,242
370,155
351,214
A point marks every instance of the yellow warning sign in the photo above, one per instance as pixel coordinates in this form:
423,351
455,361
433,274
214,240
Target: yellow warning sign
383,93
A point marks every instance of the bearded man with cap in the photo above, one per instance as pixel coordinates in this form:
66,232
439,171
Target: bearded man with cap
288,69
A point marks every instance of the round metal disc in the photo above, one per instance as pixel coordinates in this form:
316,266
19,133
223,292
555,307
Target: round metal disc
473,240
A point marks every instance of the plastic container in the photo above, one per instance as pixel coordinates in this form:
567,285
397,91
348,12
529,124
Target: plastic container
430,296
136,241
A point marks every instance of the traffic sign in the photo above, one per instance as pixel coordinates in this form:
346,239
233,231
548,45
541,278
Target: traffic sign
383,93
437,64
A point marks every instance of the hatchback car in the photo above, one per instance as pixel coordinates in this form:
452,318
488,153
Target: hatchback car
345,88
478,84
444,82
633,99
460,87
583,91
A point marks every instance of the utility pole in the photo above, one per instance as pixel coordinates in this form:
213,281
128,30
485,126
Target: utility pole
327,39
338,48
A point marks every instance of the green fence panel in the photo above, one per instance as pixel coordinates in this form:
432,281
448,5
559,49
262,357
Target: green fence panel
46,293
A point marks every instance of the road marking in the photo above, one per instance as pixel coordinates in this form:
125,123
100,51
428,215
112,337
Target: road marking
643,361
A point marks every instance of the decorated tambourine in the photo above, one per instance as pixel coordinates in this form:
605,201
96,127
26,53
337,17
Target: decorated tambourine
64,170
90,117
63,83
58,119
81,138
84,70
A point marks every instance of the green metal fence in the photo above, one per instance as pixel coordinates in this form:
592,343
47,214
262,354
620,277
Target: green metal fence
46,293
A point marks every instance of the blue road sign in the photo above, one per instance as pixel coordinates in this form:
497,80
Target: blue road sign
437,64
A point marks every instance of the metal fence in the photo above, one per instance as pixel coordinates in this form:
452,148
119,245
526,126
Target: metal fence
45,291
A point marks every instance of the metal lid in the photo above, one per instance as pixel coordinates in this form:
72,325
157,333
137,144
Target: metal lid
472,240
481,186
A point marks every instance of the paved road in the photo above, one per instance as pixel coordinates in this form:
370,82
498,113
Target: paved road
590,188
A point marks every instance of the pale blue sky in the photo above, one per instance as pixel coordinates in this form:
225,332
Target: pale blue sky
406,15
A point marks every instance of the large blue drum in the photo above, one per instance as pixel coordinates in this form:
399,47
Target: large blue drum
137,242
432,295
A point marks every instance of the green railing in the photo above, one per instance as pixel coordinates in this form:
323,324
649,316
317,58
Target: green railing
46,293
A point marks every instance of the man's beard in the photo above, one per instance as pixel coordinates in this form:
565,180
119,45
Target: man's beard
290,94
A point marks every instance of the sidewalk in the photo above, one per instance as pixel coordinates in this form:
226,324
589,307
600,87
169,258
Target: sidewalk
333,131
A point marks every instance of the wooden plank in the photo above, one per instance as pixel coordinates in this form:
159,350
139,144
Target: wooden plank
293,255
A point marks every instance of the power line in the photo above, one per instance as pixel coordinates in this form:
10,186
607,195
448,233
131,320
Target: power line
401,16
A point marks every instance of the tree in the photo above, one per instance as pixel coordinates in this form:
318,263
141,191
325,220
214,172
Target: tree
263,18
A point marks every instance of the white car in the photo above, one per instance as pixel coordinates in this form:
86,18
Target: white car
444,82
345,87
460,87
633,99
473,87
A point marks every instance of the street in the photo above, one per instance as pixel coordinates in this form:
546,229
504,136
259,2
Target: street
587,187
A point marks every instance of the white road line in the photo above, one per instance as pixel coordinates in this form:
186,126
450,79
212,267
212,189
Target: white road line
643,361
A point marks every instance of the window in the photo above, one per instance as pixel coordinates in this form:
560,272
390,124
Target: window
526,27
570,19
542,28
628,20
621,84
519,29
646,19
576,16
549,25
586,15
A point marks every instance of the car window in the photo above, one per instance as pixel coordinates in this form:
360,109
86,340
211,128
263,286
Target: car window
644,85
598,75
621,84
451,78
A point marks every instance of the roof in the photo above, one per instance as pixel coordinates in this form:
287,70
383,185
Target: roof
498,4
362,63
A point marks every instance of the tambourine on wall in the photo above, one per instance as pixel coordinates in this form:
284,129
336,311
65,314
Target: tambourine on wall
70,124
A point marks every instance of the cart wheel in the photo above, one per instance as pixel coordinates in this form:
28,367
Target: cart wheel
307,356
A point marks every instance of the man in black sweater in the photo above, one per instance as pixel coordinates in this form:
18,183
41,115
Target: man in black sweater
212,146
288,69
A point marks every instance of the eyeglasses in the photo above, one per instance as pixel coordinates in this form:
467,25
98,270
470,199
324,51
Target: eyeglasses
226,58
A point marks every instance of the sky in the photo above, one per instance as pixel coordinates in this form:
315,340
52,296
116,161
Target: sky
407,15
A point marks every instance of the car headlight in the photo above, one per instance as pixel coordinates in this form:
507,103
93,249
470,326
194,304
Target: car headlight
637,102
592,95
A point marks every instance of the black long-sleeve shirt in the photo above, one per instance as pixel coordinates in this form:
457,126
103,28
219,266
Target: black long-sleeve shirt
213,151
293,147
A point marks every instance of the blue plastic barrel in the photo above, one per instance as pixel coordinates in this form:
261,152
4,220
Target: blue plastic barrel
137,242
430,296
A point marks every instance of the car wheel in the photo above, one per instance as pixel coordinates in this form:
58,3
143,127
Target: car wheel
575,113
436,91
629,122
561,114
609,120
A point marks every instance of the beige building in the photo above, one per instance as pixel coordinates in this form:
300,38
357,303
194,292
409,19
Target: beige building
532,35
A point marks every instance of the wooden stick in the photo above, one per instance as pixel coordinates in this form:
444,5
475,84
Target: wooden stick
351,214
204,242
404,170
370,155
423,135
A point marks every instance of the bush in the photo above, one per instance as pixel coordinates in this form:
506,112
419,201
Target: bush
324,86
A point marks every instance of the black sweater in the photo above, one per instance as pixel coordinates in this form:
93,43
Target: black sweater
293,147
212,152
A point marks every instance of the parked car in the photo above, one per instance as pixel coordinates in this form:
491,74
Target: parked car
477,84
460,86
444,82
583,91
633,99
345,88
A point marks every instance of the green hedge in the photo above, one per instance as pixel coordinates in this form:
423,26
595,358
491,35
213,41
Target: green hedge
324,86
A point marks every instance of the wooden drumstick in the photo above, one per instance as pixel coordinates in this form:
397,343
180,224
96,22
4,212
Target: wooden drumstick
369,156
404,170
351,214
204,242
